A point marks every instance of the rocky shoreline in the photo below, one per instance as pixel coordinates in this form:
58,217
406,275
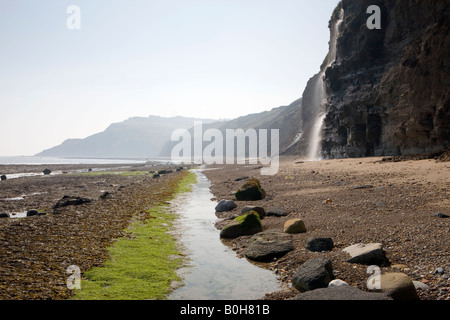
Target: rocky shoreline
78,216
395,210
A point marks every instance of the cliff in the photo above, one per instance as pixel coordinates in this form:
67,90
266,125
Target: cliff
388,90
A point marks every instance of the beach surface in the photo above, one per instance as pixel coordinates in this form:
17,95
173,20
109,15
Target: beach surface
353,201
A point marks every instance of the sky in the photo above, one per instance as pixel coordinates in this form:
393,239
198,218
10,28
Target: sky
64,75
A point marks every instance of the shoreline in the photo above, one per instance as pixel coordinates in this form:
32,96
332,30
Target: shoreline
397,211
36,251
369,200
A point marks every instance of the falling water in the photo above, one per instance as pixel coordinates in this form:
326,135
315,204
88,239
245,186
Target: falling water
320,97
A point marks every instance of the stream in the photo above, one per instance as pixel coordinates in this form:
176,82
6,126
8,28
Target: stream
214,271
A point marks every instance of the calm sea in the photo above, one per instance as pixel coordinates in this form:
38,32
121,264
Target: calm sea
44,160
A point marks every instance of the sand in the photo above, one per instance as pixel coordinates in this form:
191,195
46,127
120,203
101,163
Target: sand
368,201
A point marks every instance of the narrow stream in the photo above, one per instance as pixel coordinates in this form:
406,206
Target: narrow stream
214,271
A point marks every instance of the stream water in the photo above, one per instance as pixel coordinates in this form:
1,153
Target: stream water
214,271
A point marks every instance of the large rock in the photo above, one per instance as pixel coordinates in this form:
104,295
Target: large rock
294,226
4,215
225,205
340,293
369,254
47,171
245,225
398,286
319,244
3,177
313,274
265,246
250,191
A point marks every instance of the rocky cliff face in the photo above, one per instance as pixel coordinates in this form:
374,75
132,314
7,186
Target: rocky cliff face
389,89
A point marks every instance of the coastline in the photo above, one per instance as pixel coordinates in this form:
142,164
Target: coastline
36,251
370,200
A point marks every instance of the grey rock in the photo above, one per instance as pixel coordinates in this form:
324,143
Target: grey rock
319,244
341,293
420,285
369,254
313,274
337,283
438,270
277,212
241,178
225,205
265,246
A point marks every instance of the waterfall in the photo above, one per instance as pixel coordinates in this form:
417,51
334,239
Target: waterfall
320,97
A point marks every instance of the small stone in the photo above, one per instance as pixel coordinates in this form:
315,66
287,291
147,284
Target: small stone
294,226
337,283
438,270
420,285
277,212
47,171
3,177
4,215
31,213
365,186
440,215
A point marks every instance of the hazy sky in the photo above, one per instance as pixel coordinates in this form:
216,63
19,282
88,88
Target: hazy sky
199,58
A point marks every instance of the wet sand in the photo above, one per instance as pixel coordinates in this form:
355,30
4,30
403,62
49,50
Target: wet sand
369,200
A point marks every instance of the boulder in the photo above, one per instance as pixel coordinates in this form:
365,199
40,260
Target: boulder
369,254
319,244
3,177
47,171
225,205
398,286
294,226
245,225
341,293
4,215
250,191
267,245
313,274
277,212
259,210
156,175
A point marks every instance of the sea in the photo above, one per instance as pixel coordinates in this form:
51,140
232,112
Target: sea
32,160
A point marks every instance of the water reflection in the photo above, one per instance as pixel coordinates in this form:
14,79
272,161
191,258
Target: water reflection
215,272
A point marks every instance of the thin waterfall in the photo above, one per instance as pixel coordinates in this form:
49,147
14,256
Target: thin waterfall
320,97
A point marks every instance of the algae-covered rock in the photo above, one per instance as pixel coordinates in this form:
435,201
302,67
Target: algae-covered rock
250,191
245,225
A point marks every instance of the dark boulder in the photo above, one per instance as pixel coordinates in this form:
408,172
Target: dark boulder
319,244
3,177
250,191
47,171
245,225
225,206
268,245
